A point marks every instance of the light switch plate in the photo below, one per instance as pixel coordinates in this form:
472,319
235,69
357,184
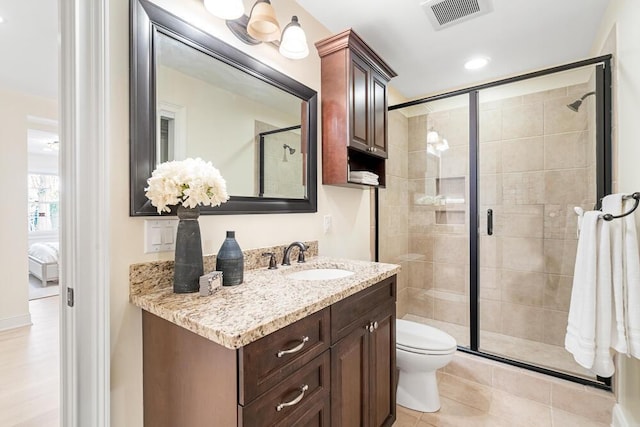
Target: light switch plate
160,235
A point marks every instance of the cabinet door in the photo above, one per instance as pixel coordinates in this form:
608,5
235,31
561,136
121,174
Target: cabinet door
382,359
379,115
359,94
350,380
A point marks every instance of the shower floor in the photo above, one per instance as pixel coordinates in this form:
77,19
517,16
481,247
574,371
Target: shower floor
536,353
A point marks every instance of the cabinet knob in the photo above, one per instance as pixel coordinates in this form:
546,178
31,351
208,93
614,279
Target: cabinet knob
375,325
369,327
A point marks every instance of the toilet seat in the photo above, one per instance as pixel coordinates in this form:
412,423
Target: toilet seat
423,339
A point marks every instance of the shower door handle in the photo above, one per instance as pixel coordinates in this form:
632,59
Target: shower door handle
489,222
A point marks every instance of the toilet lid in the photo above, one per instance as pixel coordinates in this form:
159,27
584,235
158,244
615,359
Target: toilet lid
420,338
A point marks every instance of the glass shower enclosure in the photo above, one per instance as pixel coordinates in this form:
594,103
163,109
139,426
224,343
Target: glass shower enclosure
479,209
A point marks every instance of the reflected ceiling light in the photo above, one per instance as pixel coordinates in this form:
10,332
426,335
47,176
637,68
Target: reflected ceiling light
294,41
432,137
443,145
1,19
225,9
263,24
476,63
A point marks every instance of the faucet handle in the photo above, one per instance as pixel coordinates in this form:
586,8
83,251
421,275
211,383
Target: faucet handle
301,252
272,260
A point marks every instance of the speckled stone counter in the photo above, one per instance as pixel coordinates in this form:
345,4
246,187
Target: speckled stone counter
267,300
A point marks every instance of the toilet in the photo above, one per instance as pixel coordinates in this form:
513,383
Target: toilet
420,351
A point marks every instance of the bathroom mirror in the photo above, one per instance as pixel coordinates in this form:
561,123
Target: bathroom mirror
193,95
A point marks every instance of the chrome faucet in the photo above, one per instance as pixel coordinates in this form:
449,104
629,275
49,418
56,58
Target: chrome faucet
301,246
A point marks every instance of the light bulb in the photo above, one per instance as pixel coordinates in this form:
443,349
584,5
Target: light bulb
294,41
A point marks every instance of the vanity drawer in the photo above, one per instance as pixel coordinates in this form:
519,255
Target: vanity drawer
351,312
303,399
269,360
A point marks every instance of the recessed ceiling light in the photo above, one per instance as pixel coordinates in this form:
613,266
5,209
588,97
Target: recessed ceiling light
476,63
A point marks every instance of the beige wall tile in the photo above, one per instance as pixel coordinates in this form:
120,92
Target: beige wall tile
470,368
544,95
417,139
520,383
451,277
421,245
490,285
398,132
523,155
454,162
451,249
421,220
522,121
523,321
557,292
510,222
397,163
522,412
490,252
525,254
560,119
490,125
420,274
417,164
490,189
420,303
490,158
469,393
523,287
490,315
555,327
451,310
566,150
523,188
597,407
402,303
560,256
566,186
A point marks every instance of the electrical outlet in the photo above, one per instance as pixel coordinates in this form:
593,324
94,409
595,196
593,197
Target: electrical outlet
327,223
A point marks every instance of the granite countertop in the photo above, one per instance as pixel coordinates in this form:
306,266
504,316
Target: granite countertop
266,301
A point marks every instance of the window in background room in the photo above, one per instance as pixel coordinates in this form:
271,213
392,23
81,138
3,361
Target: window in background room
43,202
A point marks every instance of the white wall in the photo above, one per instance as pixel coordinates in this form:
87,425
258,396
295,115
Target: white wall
350,208
14,109
623,17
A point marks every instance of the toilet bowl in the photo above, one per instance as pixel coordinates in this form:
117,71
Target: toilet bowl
420,351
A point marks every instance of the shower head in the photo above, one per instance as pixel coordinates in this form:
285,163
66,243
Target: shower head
575,105
291,150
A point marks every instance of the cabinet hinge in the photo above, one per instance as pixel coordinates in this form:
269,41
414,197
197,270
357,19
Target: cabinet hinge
70,297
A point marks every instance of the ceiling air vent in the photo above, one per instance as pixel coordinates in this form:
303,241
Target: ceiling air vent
445,13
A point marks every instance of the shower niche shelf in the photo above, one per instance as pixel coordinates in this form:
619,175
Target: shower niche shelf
451,189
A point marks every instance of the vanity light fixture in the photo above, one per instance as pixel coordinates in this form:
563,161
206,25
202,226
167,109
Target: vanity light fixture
262,26
225,9
432,136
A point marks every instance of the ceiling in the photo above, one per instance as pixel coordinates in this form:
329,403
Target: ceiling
518,35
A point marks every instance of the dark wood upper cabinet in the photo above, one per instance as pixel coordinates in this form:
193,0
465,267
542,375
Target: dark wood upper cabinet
354,108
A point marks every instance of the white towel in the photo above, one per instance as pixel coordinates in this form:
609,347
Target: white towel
581,327
612,204
632,276
603,360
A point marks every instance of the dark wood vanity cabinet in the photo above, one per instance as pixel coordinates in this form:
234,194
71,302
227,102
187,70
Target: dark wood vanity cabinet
364,358
335,367
354,108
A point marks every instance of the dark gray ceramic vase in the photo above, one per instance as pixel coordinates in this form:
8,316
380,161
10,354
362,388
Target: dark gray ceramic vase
188,260
230,261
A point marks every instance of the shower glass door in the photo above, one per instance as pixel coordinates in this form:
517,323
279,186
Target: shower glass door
537,160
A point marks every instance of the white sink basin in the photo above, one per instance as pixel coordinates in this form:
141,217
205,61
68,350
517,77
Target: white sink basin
320,274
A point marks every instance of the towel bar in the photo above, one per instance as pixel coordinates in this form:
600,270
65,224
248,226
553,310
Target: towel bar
635,196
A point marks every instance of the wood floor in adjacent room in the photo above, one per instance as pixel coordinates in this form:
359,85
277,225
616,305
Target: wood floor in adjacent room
30,369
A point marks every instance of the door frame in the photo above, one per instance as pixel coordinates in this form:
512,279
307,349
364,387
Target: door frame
84,238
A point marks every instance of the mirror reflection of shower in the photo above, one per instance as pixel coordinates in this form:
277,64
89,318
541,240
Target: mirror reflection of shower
575,105
291,151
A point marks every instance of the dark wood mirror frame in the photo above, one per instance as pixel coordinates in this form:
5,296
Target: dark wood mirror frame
146,20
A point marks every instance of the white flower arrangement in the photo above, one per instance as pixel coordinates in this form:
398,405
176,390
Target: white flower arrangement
190,182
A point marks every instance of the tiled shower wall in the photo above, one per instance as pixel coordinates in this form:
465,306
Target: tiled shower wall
536,163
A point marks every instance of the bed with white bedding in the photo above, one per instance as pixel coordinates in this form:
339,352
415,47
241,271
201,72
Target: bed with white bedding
43,261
